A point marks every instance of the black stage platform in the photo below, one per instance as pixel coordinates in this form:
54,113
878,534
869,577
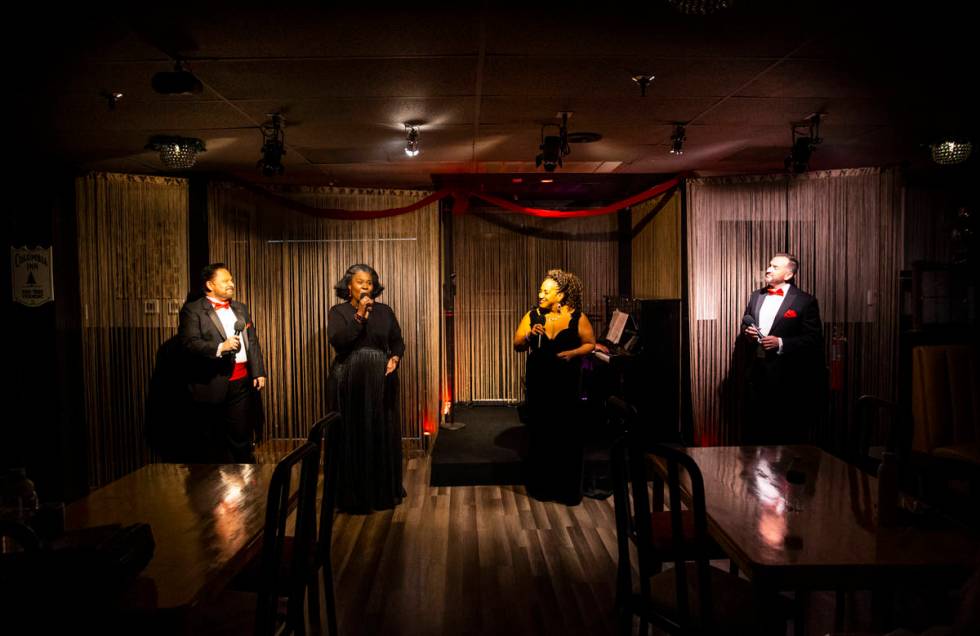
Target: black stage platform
490,450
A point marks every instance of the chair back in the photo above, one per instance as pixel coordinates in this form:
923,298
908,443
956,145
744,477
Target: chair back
320,435
634,500
678,466
278,508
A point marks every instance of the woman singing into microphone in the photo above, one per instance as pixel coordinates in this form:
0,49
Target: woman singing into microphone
366,449
558,334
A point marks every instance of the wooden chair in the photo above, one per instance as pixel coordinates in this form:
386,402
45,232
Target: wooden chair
274,579
318,559
321,562
693,597
664,549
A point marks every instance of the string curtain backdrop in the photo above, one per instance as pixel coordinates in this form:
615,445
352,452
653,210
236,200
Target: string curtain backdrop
132,270
656,248
286,264
500,259
846,227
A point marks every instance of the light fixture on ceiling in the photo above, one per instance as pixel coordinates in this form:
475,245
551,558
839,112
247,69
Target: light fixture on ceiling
951,150
677,139
176,152
273,146
553,147
644,80
700,7
806,138
111,98
411,140
180,81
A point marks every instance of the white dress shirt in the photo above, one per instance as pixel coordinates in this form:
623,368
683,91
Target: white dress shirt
228,320
770,309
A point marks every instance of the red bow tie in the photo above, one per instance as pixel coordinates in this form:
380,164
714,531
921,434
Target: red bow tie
774,292
218,306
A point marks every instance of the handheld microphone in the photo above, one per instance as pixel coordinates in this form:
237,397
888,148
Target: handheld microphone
539,335
749,321
239,327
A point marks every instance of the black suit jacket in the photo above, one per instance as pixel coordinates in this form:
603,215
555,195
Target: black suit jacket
797,322
798,373
200,332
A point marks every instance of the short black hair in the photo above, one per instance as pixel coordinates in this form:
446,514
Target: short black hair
208,272
793,266
342,286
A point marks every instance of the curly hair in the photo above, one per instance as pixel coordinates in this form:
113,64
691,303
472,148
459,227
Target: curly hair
342,288
568,284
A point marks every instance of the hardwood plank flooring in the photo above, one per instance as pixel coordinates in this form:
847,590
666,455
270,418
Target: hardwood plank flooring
475,560
489,560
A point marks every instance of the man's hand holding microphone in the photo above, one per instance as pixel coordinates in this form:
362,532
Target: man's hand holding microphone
752,331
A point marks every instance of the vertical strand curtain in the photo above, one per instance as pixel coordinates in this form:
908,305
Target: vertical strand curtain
656,250
846,226
132,269
500,261
286,265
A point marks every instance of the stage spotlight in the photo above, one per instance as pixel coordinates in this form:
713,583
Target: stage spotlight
677,139
806,138
273,146
411,141
553,147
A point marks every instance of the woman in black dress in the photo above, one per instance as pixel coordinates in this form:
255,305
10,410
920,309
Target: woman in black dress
365,451
557,334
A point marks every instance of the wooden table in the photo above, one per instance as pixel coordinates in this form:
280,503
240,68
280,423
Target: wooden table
821,534
207,521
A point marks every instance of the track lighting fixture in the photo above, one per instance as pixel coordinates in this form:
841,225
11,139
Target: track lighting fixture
644,80
677,139
553,147
806,138
411,140
273,146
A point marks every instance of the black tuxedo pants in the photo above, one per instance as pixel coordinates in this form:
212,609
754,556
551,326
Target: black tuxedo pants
227,427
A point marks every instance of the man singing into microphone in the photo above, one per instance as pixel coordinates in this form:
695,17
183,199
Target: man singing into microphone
787,374
224,367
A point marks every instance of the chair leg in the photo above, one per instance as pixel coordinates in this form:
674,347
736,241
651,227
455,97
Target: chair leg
313,603
800,601
328,592
644,598
840,606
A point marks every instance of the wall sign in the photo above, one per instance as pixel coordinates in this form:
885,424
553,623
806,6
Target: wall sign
31,275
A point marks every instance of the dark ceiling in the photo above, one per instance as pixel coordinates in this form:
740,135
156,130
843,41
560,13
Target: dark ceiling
482,81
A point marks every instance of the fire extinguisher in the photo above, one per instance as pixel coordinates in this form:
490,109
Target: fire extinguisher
838,353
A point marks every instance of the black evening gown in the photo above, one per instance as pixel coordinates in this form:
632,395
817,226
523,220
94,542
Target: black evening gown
365,451
555,429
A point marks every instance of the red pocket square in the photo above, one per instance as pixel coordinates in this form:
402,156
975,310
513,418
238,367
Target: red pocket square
789,314
248,325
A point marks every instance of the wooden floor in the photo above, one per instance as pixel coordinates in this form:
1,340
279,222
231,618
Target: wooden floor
491,560
475,560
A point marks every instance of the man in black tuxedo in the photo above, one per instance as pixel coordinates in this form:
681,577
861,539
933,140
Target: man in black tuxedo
224,367
787,375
